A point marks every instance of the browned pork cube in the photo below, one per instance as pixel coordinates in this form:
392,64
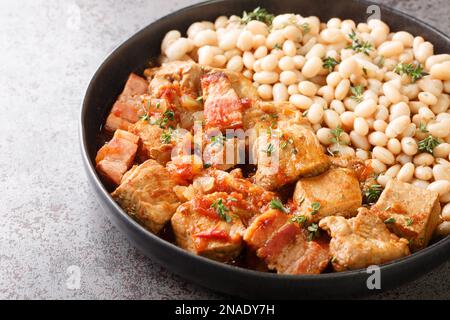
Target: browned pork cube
362,241
209,225
127,109
223,107
146,194
155,142
286,246
297,153
117,156
409,211
335,192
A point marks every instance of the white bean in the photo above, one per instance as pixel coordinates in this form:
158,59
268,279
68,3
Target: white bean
393,171
265,77
312,67
442,150
378,139
331,119
383,155
390,48
245,41
300,101
394,146
359,141
392,93
406,172
307,88
427,98
347,119
360,126
441,172
380,125
235,64
423,159
443,229
205,38
315,113
269,62
440,186
409,146
265,91
178,49
280,92
420,183
441,71
445,214
324,135
377,166
423,173
342,89
365,108
248,59
288,77
286,63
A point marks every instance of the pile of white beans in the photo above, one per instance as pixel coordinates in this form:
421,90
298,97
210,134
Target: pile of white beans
285,63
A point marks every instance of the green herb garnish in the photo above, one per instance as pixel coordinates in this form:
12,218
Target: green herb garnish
357,93
305,27
207,165
329,63
145,117
166,136
337,132
358,45
219,139
270,149
278,205
199,99
315,206
428,144
298,219
277,46
169,115
259,14
373,193
414,71
390,220
313,231
221,210
409,222
423,127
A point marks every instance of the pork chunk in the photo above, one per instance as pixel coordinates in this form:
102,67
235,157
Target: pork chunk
294,152
146,194
117,156
335,192
209,226
223,107
285,246
409,211
127,109
362,241
154,143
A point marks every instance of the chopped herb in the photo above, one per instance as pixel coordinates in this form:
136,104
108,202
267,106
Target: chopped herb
207,165
232,199
274,116
199,99
219,139
158,105
270,149
162,122
305,113
145,117
278,205
306,27
373,193
332,152
333,260
358,45
409,222
221,210
414,71
285,143
313,231
315,206
365,71
381,61
337,132
277,46
166,136
329,63
298,219
423,127
428,144
390,220
357,93
259,14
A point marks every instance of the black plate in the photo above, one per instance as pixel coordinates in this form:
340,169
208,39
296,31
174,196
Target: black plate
133,56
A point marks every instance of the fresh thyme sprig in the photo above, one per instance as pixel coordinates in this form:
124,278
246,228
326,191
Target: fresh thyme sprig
358,45
415,71
373,193
259,14
428,144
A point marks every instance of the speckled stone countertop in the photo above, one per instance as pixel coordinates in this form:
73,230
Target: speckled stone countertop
52,228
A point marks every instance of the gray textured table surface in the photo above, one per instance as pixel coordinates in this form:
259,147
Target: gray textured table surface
49,217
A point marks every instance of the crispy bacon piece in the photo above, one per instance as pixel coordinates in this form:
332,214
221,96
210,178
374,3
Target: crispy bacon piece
284,245
127,109
223,107
117,156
